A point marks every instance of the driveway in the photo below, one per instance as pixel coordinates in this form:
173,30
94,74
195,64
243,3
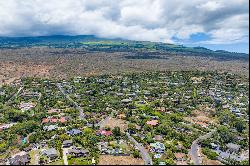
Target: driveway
65,159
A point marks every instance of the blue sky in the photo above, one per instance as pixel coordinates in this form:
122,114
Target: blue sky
215,24
200,39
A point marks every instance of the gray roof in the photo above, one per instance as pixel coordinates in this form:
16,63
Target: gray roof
20,160
233,146
74,132
78,150
50,152
67,142
126,100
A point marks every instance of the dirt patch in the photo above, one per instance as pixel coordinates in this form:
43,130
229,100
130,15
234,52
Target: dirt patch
113,122
12,71
206,161
119,160
199,113
199,79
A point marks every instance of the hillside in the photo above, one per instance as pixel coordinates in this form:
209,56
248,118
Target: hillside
92,43
67,56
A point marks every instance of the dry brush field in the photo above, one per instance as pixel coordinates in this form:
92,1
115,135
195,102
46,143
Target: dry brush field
64,63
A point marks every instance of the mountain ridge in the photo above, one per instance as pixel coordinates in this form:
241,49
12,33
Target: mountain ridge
93,43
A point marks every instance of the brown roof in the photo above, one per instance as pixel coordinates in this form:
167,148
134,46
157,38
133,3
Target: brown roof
158,137
179,155
45,120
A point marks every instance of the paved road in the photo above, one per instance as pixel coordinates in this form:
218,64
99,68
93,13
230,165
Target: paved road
145,156
81,116
194,148
194,153
65,159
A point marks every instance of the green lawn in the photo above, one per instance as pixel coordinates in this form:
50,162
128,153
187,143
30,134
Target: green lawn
58,162
32,156
79,161
3,156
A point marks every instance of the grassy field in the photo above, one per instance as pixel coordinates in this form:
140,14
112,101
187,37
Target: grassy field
32,156
79,161
58,162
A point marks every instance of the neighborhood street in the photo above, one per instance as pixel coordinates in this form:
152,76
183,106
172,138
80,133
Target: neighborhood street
194,148
145,156
81,116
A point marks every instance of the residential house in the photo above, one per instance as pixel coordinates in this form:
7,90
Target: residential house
26,106
50,127
214,146
20,159
53,111
104,132
181,110
158,138
161,109
126,101
157,147
67,143
180,158
78,152
6,126
152,122
233,148
74,132
50,153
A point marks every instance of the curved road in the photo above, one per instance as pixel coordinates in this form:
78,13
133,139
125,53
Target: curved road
145,156
194,148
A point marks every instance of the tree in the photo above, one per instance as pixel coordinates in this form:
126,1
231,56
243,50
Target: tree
116,131
3,146
225,134
149,138
244,162
136,154
194,95
239,124
131,128
170,161
209,153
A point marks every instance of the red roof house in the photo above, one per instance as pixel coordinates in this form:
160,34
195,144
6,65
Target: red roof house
53,120
62,120
104,132
45,120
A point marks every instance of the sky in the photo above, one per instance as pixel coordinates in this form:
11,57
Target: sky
215,24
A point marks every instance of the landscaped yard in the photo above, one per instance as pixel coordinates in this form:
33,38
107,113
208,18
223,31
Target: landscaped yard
33,157
79,161
58,162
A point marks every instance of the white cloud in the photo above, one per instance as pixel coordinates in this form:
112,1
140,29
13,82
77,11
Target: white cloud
226,21
211,5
